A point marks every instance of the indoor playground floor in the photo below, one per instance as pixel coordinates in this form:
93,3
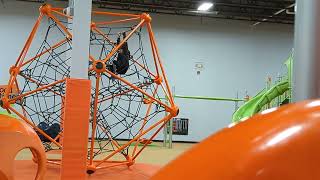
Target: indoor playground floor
152,159
154,154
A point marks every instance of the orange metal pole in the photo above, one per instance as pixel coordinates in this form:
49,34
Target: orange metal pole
113,165
57,9
44,52
142,66
29,40
144,121
141,129
7,90
117,21
123,41
61,26
53,163
116,95
59,135
110,161
138,89
162,69
62,119
39,89
114,14
90,69
136,138
103,35
91,58
61,14
54,159
35,127
153,51
161,66
148,141
22,107
109,136
94,121
164,90
34,81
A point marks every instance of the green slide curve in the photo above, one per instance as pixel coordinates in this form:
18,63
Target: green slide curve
4,112
264,97
7,114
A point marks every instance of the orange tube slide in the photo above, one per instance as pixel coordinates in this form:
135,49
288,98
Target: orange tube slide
278,144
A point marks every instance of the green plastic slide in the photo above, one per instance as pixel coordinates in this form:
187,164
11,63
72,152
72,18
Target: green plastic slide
264,97
7,114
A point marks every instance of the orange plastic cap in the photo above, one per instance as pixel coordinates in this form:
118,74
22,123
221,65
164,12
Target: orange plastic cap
45,9
130,161
93,25
99,66
4,103
174,111
14,70
91,169
158,80
146,17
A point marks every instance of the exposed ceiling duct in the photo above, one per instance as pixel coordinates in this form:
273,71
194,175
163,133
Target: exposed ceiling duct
274,11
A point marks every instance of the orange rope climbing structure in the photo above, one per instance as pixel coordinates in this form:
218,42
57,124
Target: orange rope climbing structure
125,108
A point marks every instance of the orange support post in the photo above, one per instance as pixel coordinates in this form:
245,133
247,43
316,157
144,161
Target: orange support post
76,119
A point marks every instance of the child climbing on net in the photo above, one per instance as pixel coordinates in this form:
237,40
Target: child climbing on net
121,64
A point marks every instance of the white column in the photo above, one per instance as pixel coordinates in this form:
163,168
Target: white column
77,101
81,38
306,65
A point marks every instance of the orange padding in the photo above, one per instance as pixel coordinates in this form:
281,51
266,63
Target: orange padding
16,135
278,144
75,129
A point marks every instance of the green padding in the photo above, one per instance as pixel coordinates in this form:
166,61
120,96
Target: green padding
7,114
4,112
255,104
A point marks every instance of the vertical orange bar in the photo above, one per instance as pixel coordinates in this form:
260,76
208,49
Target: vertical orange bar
75,126
62,120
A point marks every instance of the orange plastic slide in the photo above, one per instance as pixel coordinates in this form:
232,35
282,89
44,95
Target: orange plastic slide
278,144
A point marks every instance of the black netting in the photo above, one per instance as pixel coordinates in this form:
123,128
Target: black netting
47,66
122,110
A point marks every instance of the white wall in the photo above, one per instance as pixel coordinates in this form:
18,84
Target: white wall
237,57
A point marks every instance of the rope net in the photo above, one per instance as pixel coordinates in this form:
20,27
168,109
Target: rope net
121,110
47,67
126,108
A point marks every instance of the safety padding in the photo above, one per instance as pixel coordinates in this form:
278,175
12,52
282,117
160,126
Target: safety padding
278,144
75,129
16,135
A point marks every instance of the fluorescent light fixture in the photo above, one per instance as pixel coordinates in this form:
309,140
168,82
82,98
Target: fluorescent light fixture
205,6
